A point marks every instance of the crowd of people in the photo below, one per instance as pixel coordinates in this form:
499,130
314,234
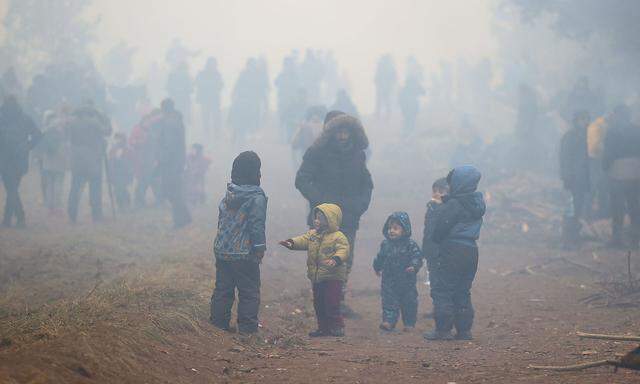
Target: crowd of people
76,140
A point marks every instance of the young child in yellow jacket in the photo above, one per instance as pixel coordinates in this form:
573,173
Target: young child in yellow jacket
327,255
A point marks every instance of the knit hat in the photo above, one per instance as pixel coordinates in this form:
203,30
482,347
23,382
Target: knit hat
246,169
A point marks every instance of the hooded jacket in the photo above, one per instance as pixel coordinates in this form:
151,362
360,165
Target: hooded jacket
87,134
396,255
18,135
460,218
241,223
330,174
330,244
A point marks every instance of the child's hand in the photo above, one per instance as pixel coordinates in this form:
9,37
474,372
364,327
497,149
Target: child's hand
378,273
286,243
329,263
410,270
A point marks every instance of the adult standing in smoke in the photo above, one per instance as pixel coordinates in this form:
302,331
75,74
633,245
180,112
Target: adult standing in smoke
87,133
170,159
385,80
18,135
289,96
334,171
247,102
209,85
621,161
180,87
574,172
410,94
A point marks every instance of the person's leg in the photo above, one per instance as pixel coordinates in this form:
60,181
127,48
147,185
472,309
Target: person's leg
390,304
617,205
47,179
95,196
223,295
77,184
332,310
443,307
172,187
248,278
318,306
9,197
464,313
409,305
18,208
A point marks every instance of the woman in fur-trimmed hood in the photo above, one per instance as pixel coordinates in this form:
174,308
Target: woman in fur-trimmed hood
334,171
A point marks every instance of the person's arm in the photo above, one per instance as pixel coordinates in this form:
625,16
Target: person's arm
378,261
301,243
447,218
341,255
305,177
256,223
416,257
359,202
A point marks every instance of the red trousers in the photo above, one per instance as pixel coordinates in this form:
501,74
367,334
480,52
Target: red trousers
327,297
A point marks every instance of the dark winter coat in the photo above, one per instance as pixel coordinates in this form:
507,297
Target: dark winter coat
460,218
241,223
87,134
574,160
429,246
622,141
18,135
395,256
330,174
171,150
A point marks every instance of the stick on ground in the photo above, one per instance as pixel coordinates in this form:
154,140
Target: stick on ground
607,337
576,367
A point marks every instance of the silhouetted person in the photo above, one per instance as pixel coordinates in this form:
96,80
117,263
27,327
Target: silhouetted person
247,101
345,104
288,88
385,80
409,100
574,172
143,147
87,133
180,87
334,171
170,159
18,135
621,161
209,85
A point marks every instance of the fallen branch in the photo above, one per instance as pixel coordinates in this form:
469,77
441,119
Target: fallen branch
607,337
576,367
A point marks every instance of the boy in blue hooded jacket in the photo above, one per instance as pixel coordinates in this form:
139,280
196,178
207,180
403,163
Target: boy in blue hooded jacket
453,267
398,261
240,245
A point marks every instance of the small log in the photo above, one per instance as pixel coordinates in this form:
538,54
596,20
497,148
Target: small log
576,367
607,337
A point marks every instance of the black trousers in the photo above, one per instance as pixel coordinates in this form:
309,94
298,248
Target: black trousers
78,181
173,190
244,276
13,205
452,275
625,199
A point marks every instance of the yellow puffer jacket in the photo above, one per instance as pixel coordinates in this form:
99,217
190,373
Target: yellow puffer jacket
320,247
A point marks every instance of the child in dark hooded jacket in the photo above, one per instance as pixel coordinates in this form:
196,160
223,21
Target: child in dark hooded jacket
398,261
453,267
240,245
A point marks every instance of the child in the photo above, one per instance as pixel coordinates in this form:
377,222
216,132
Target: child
398,262
239,246
327,255
453,268
429,248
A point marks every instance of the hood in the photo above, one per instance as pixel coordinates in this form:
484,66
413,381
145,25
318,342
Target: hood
403,219
333,214
359,138
463,180
239,194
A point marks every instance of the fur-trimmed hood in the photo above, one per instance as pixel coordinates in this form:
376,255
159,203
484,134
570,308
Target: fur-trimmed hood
358,136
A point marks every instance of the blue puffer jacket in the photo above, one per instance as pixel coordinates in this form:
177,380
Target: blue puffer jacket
241,223
460,218
397,255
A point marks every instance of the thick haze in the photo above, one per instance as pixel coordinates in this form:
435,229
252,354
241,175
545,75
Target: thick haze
358,32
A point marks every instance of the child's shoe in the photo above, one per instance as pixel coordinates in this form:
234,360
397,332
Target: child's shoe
338,332
465,335
438,335
317,333
386,327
